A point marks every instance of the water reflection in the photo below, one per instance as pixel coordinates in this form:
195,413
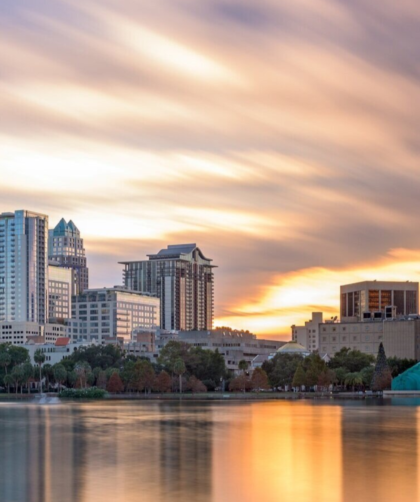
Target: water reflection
209,452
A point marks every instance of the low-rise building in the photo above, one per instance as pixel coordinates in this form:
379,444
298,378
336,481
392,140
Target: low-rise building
100,314
54,352
235,346
18,333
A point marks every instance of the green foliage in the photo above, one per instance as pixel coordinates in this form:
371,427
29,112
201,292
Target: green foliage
398,366
341,374
243,365
282,368
382,377
352,360
354,380
101,356
171,353
39,357
299,378
59,373
91,393
367,375
314,367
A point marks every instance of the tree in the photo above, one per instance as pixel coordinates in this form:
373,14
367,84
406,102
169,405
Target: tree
240,383
353,360
354,379
60,374
101,380
367,375
299,378
382,377
259,380
163,382
398,365
83,371
179,369
326,378
9,380
243,365
47,373
17,376
5,360
39,358
341,374
196,385
314,366
282,368
115,384
27,374
171,353
18,354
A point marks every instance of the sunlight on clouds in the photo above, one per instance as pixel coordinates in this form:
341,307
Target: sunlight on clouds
294,296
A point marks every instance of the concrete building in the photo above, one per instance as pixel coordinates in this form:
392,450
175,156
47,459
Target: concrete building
401,338
99,314
60,284
371,298
308,335
66,249
182,277
235,346
24,267
18,333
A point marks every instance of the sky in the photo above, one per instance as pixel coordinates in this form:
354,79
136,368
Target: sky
281,137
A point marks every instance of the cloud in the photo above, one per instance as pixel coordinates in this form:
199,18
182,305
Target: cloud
281,136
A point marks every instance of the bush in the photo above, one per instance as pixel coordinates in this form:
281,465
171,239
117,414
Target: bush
91,393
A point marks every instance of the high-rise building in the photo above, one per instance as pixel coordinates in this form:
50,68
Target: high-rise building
65,249
182,277
371,298
24,267
60,283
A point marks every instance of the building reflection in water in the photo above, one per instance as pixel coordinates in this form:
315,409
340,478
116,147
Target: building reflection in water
120,452
380,448
286,451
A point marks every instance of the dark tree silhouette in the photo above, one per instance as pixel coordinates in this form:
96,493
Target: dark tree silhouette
382,376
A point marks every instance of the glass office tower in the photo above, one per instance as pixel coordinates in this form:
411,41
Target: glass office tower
24,267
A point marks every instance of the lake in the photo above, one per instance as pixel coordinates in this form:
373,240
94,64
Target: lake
169,451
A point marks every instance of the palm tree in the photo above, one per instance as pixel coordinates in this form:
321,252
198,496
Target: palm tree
354,379
179,369
243,365
39,358
60,374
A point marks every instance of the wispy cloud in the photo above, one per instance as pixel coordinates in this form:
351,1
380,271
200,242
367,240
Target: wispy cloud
281,136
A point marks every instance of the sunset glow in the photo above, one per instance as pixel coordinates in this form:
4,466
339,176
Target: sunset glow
280,137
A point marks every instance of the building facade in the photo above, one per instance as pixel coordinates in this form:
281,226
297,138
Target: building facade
370,298
182,278
66,249
24,267
60,284
19,333
99,314
308,335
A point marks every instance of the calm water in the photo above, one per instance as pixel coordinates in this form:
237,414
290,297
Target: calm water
210,452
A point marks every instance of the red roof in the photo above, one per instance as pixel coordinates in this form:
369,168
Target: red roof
62,342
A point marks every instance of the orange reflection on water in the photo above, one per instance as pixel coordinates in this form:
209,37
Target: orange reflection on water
289,452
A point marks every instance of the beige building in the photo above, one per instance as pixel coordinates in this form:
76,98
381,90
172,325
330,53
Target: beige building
308,335
371,298
401,338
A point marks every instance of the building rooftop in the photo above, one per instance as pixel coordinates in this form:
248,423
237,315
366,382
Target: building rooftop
293,348
176,251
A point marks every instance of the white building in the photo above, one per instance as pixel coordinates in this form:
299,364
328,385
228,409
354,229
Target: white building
24,267
54,352
98,314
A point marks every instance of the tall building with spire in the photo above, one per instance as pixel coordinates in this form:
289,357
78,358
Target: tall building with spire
182,277
65,249
23,267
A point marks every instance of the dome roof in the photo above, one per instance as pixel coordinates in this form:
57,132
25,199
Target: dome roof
293,348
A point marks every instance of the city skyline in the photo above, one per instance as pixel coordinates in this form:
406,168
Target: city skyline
281,138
